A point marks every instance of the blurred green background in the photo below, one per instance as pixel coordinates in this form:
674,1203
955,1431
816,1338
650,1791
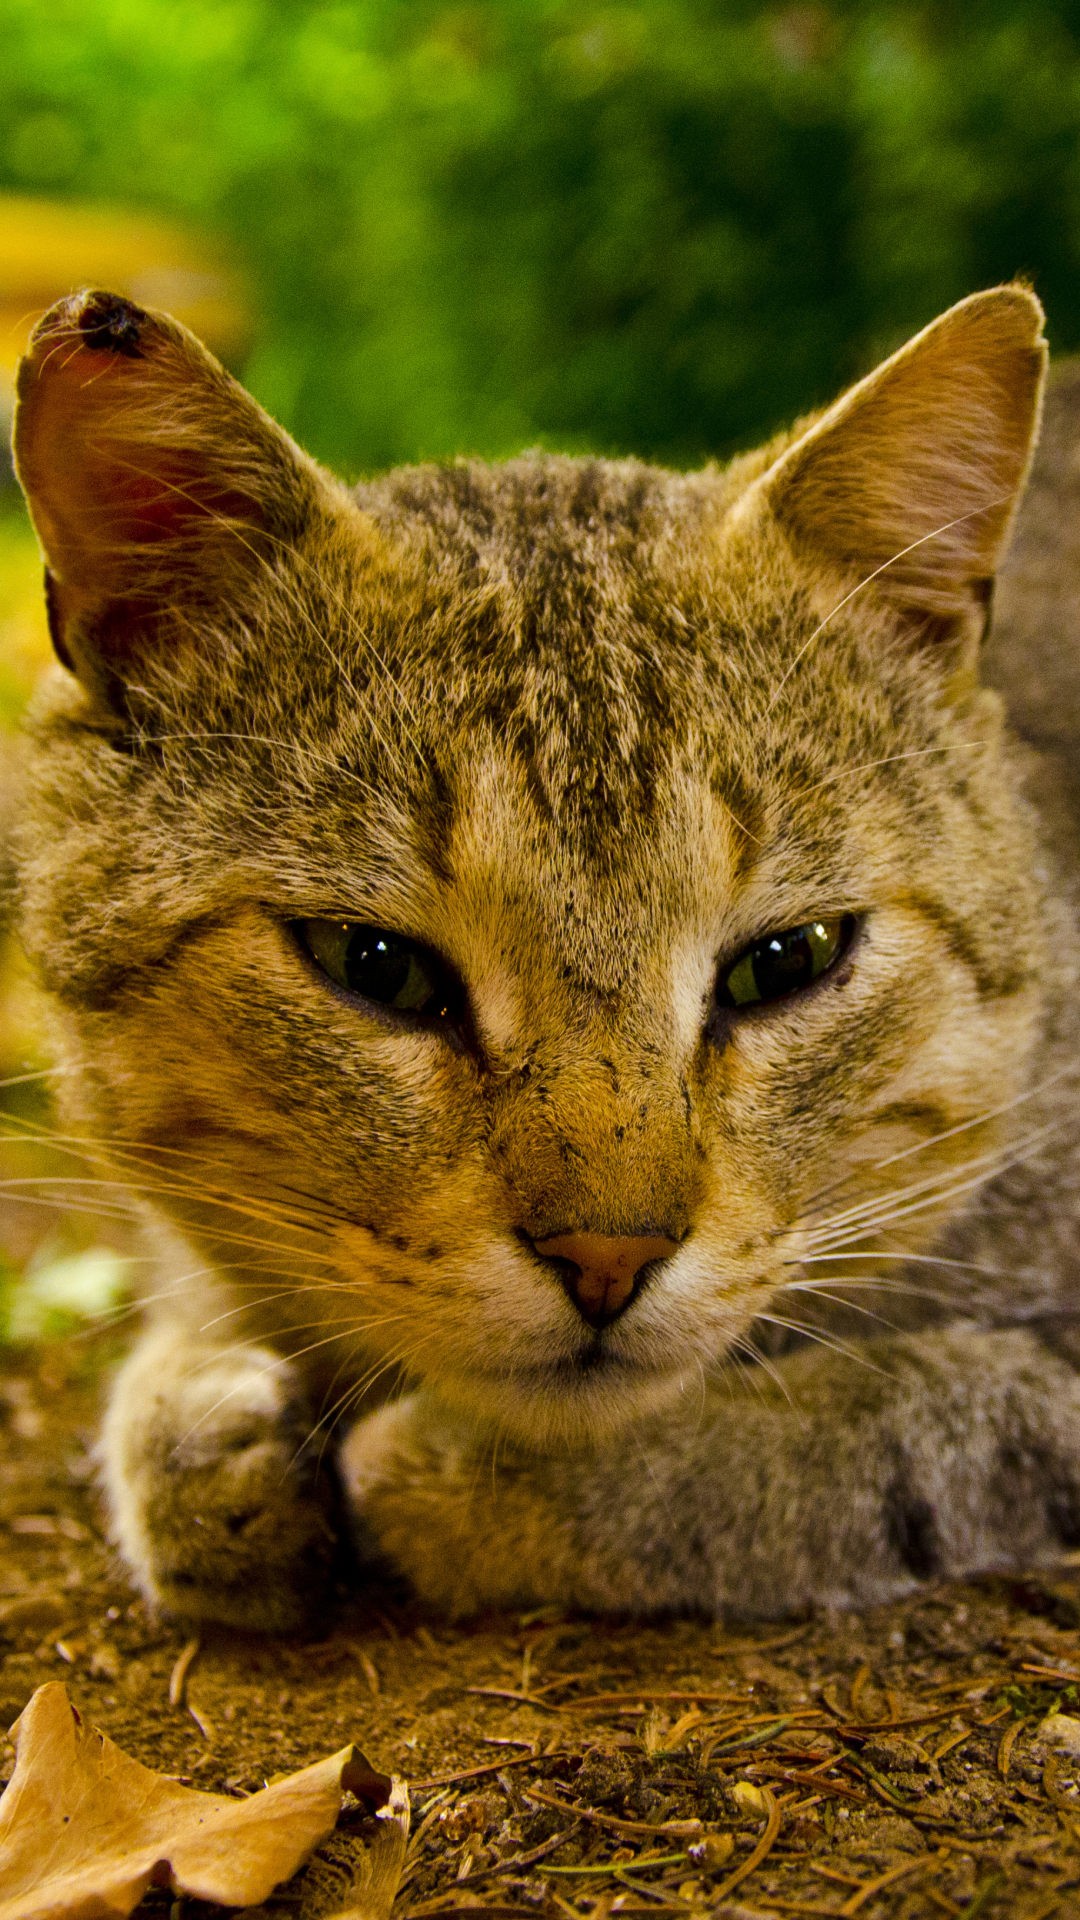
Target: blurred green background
660,227
417,229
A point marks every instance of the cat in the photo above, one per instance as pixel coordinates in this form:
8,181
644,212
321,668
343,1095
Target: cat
578,974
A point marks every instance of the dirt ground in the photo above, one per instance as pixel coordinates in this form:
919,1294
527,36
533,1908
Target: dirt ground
883,1764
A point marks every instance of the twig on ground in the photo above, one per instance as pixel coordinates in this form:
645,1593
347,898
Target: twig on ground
178,1677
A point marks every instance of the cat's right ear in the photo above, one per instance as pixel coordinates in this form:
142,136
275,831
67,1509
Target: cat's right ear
905,490
161,493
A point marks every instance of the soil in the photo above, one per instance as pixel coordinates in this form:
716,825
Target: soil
885,1764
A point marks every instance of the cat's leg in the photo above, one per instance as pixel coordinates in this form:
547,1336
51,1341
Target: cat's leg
217,1505
845,1483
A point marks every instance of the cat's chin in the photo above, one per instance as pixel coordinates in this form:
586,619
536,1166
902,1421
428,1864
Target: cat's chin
565,1401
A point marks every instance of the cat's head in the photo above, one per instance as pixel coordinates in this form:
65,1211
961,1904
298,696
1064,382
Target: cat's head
512,917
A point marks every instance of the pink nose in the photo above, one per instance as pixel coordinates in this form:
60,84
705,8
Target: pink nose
605,1266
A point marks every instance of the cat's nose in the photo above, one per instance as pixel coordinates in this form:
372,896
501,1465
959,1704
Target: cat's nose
600,1271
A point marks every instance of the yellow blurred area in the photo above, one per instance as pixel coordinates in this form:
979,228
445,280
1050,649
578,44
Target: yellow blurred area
41,1234
25,652
49,248
24,635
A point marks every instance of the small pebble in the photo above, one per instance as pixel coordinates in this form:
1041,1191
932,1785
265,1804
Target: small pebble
748,1798
1060,1731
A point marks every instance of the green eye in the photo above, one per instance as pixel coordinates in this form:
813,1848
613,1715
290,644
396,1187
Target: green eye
783,962
383,967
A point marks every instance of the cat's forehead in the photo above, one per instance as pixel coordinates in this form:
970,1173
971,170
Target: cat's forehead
575,611
582,618
542,520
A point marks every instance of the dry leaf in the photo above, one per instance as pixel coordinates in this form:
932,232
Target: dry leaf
85,1830
375,1885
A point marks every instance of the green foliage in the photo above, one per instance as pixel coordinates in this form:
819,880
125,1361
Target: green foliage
1033,1702
662,226
60,1293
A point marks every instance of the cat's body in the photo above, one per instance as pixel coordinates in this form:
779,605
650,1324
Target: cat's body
589,736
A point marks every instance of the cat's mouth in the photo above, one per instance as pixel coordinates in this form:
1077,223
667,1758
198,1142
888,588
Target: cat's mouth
591,1390
593,1360
596,1363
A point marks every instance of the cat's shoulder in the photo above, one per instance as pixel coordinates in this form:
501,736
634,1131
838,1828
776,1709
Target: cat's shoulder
1032,652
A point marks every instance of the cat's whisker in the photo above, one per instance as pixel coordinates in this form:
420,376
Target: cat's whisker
357,1389
932,1140
95,1209
839,1298
760,1363
937,1187
258,1340
397,1361
346,1288
887,1215
121,1216
890,1196
822,1339
889,760
703,1385
143,1157
901,554
915,1259
105,1153
25,1079
332,1383
273,1366
866,1282
128,1189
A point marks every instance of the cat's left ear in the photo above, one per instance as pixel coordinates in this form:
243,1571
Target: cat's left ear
907,487
162,494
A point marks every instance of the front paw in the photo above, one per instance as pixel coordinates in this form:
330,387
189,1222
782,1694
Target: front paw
220,1502
958,1454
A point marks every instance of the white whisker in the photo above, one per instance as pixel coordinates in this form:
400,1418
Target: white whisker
934,534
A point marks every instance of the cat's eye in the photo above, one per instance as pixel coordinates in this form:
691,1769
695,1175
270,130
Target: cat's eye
384,967
781,963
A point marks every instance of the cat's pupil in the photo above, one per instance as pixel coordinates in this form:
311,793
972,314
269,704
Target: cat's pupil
783,962
380,965
382,968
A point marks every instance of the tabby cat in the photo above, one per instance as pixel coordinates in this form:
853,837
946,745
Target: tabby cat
580,979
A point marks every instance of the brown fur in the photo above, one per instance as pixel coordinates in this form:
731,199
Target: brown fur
588,730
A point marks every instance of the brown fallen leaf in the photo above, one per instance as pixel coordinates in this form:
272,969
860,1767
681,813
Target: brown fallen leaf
376,1880
85,1830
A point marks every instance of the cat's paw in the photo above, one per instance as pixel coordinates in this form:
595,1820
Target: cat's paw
217,1497
941,1456
998,1484
847,1481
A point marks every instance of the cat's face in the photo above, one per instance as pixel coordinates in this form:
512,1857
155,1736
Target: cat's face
708,925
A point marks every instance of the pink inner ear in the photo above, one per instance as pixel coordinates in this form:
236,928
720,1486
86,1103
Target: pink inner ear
130,463
162,500
102,465
159,489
